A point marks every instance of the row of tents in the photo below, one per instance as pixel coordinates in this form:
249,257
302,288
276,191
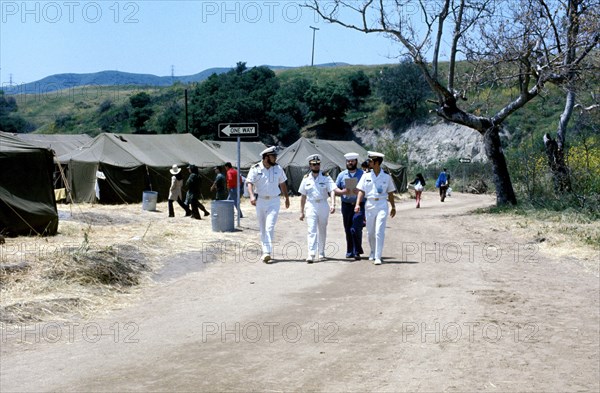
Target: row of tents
119,168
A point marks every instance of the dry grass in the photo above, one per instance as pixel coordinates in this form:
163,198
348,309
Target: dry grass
100,258
563,236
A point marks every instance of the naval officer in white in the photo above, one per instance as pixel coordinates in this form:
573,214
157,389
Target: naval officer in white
266,181
377,187
316,188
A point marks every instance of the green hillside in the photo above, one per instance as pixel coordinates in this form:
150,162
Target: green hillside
92,110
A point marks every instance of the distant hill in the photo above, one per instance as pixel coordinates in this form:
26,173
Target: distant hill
118,78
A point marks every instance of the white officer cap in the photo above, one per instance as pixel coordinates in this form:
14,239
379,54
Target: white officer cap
313,159
373,154
269,150
351,156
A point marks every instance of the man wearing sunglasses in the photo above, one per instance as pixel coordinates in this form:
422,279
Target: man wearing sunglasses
266,182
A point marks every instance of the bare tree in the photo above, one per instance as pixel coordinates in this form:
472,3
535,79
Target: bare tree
496,37
569,33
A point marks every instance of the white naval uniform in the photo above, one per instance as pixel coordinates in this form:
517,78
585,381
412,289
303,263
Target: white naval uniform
266,187
376,189
317,190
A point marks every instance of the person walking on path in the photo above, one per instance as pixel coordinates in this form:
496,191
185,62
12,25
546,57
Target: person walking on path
193,193
175,192
353,222
266,182
220,184
316,188
442,184
418,184
377,187
233,181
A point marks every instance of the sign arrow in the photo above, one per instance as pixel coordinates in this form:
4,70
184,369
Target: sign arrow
233,130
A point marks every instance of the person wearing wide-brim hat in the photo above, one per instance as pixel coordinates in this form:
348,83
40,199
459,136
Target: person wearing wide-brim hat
316,189
175,192
377,187
266,182
353,222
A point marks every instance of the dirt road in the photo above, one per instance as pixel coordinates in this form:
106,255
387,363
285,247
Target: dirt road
458,305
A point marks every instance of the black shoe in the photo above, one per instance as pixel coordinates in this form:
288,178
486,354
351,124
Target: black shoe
357,257
206,213
171,215
188,214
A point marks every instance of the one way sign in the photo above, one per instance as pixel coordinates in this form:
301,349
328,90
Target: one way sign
235,130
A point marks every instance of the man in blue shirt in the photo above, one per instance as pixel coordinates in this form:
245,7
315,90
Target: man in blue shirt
353,222
442,183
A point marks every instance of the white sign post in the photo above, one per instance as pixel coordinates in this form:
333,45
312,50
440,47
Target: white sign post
238,131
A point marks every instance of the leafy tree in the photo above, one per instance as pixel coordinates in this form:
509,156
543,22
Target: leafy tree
290,109
404,90
360,88
168,120
240,67
237,96
329,101
142,112
104,106
9,120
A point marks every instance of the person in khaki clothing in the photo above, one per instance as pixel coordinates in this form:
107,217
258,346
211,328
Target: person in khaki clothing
175,192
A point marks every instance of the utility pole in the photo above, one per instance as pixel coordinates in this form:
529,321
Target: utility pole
312,61
187,129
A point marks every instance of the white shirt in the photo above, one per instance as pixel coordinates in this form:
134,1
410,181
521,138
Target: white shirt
376,186
266,181
316,188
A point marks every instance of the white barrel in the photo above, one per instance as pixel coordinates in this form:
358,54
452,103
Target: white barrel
222,216
149,199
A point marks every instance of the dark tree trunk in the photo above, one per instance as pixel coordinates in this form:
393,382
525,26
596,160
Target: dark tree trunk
504,190
556,161
491,138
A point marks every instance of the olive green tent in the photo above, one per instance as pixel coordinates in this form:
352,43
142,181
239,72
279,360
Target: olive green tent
249,152
293,160
59,143
126,165
27,204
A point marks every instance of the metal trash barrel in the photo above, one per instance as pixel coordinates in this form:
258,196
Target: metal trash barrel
149,199
222,216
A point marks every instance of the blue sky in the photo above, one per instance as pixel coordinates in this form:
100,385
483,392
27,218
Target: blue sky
42,38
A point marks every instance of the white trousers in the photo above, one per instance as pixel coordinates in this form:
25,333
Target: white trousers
267,211
376,214
317,216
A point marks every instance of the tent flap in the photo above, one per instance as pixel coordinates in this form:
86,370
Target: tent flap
27,201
